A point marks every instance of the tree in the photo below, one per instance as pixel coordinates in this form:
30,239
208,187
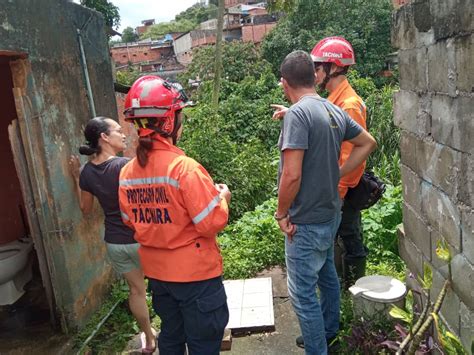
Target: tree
282,5
128,76
129,35
236,144
239,59
364,23
109,11
218,56
198,13
160,29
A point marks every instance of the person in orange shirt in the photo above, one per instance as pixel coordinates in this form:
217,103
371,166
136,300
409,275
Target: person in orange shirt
176,211
332,58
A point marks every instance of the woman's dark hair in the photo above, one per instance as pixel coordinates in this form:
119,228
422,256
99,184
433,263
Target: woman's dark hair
144,146
94,128
146,143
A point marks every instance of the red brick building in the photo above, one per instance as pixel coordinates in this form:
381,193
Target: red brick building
202,38
144,27
256,33
147,55
230,3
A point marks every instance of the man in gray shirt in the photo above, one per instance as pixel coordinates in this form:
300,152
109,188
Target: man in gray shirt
308,200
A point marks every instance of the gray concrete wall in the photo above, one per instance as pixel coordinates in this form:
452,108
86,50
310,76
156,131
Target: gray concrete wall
435,110
53,108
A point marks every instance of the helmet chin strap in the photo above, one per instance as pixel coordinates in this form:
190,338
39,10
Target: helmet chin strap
329,76
177,125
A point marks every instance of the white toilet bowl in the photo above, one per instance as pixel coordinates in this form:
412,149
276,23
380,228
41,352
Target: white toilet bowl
15,269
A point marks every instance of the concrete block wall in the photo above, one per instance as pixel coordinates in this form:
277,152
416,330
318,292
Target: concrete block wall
435,111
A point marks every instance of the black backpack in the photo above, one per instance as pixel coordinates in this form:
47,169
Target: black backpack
367,192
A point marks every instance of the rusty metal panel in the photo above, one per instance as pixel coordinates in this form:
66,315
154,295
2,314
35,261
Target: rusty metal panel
19,158
52,106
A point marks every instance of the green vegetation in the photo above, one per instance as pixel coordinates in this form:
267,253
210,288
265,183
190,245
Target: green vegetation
127,76
198,13
107,9
160,29
183,22
118,329
253,243
129,35
364,23
240,138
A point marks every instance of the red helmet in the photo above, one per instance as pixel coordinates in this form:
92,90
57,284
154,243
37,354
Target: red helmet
333,50
152,103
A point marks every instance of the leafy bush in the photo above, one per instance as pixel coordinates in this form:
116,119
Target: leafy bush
239,60
385,160
380,223
381,126
160,29
127,76
247,168
198,13
253,243
237,143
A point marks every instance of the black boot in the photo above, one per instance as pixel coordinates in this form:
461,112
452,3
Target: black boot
353,269
333,344
338,256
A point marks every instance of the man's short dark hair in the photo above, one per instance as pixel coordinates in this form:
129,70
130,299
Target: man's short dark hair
298,70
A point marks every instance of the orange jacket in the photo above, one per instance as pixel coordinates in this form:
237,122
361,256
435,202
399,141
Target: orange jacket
346,98
176,212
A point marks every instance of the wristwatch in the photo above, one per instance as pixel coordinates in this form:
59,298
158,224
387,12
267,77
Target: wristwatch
279,218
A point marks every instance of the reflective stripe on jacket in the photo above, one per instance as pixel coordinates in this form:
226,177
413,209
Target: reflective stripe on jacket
346,98
176,212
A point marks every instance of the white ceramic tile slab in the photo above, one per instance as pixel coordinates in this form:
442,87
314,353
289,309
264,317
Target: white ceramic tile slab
250,304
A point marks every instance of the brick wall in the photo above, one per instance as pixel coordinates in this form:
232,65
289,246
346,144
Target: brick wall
255,33
230,3
128,128
202,38
138,53
434,109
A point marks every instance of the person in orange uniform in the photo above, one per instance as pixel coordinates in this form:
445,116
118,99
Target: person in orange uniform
332,58
176,211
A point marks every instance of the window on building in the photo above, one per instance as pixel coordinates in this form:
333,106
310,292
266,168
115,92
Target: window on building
145,53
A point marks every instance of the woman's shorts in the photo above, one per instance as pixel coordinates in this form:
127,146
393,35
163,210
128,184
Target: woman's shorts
123,257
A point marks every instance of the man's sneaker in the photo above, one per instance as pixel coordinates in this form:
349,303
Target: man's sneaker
333,344
300,342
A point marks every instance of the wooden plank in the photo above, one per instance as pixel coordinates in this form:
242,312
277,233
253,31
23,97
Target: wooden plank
19,158
226,343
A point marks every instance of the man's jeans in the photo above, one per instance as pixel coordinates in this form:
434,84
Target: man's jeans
310,264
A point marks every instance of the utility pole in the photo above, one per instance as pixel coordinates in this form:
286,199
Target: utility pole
218,56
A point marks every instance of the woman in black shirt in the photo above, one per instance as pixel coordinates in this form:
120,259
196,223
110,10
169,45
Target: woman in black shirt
100,178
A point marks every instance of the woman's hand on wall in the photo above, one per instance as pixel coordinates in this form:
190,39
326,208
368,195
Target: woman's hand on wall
75,167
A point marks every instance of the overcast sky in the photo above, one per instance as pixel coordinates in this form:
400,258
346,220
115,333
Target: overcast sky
132,12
